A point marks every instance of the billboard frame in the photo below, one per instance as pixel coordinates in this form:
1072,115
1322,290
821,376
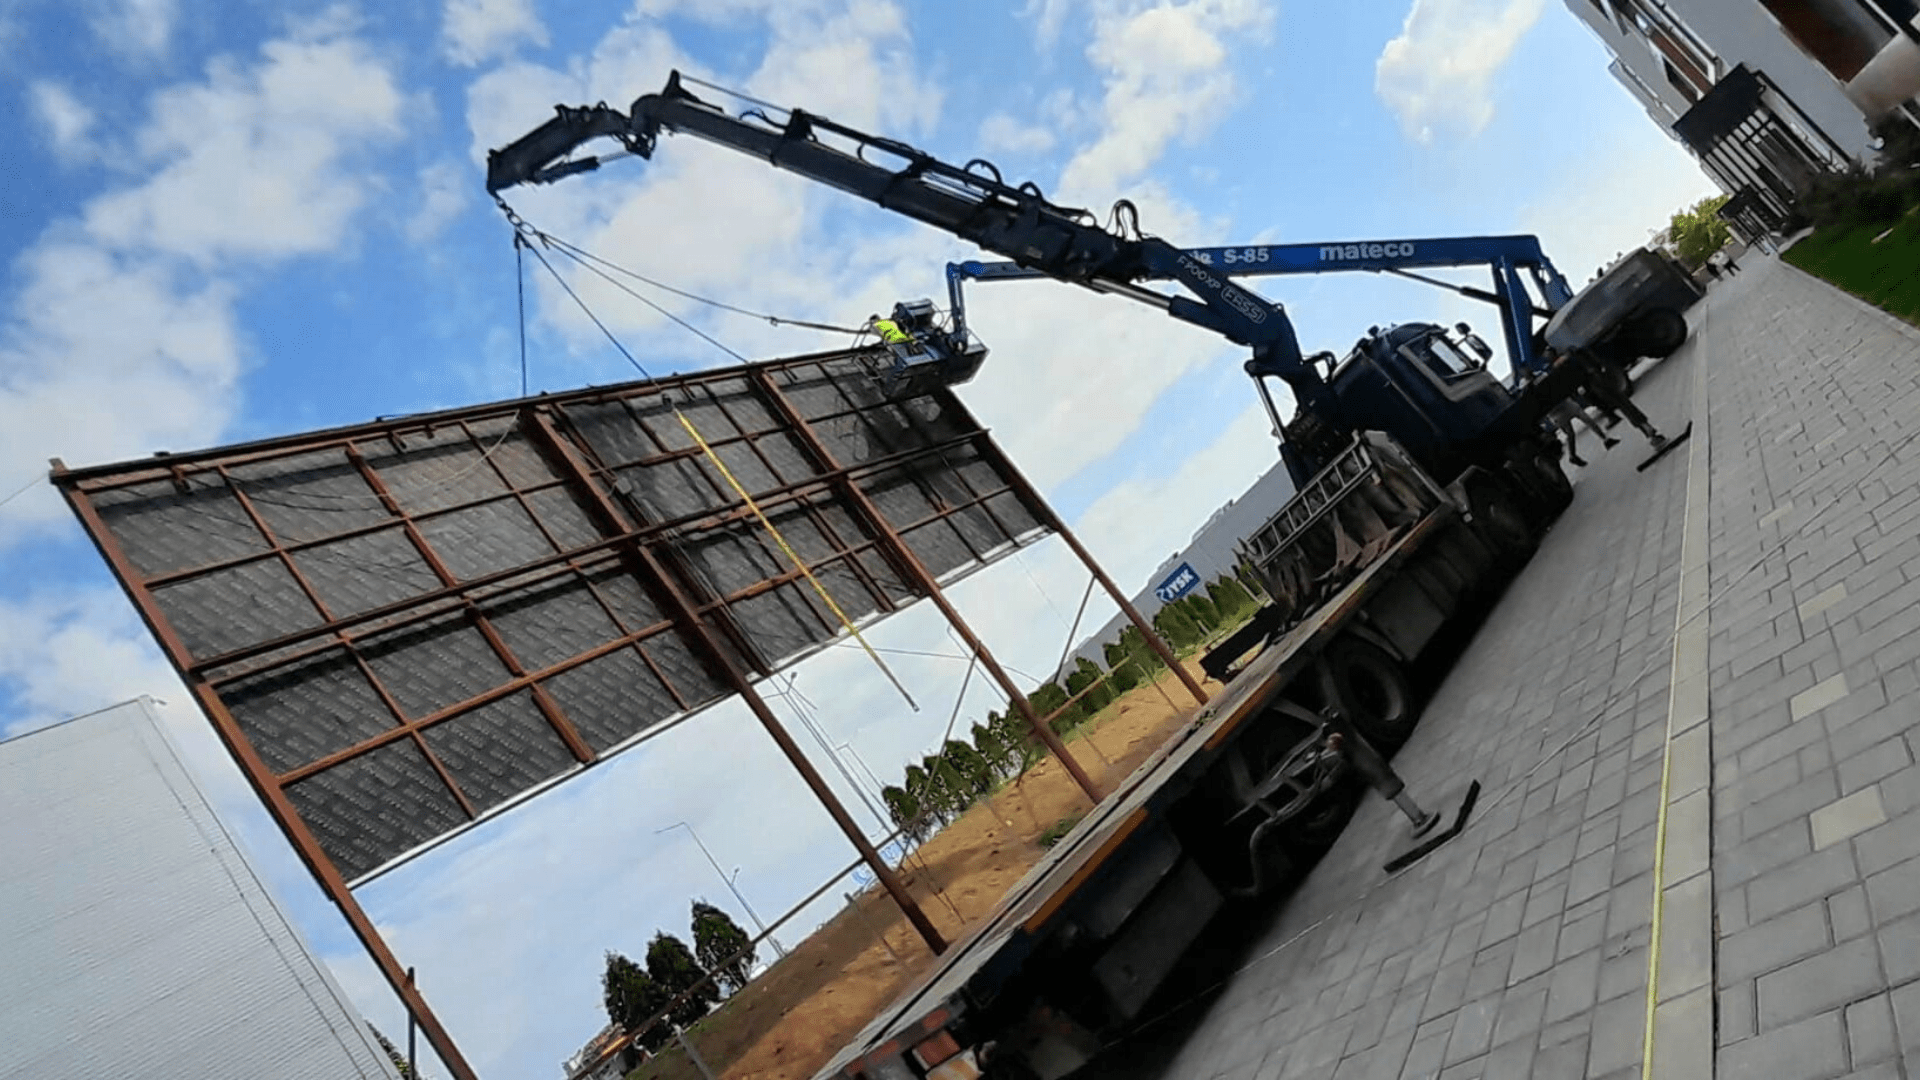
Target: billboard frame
535,417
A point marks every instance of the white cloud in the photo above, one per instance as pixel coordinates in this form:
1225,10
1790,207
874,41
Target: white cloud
1166,74
475,31
443,194
134,28
1141,520
82,650
160,372
250,162
121,336
66,119
1437,76
1072,374
1004,134
1048,17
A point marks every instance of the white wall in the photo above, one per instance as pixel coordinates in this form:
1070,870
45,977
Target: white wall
135,940
1740,31
1213,552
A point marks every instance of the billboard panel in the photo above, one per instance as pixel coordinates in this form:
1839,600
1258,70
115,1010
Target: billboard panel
411,623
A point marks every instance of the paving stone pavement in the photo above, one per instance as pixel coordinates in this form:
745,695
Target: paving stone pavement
1815,657
1521,947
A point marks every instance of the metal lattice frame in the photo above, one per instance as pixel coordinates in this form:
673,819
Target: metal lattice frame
402,627
417,622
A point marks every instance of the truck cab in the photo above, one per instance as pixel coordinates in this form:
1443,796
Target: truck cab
1427,384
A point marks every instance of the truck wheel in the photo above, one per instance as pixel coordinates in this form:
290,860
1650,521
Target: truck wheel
1375,692
1556,481
1660,332
1500,517
1545,483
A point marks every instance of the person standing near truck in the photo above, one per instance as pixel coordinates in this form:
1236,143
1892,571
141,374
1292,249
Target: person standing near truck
1562,417
1605,385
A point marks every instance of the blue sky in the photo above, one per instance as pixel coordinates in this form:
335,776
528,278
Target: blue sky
248,219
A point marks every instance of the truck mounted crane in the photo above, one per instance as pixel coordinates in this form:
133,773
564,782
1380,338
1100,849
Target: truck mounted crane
1631,311
1423,485
1417,385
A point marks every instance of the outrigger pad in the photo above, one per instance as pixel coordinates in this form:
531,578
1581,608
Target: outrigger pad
1667,449
1426,847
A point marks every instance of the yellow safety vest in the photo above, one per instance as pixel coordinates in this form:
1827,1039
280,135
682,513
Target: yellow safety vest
890,332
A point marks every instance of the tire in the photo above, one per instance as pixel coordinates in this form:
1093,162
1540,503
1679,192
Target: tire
1546,486
1378,698
1660,332
1500,516
1554,481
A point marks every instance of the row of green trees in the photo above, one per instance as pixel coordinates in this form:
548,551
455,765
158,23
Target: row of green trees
633,994
942,785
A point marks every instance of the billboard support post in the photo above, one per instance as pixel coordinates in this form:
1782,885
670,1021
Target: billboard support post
304,843
906,561
684,615
1028,493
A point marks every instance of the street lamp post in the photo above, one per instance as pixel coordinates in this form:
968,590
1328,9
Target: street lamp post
711,861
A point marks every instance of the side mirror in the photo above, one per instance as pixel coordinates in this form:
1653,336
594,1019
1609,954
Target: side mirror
1474,342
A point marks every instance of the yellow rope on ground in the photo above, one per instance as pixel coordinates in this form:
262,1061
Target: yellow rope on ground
1681,618
1659,873
805,570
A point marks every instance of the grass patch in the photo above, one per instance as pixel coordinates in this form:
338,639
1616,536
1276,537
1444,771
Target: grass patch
1059,829
1885,274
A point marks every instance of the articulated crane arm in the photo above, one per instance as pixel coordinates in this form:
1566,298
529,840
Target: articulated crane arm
971,202
1507,257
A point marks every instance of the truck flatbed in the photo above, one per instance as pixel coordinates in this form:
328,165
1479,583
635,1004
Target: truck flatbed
999,943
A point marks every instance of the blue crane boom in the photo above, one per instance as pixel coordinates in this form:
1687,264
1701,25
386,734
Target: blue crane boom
1413,381
971,202
1511,259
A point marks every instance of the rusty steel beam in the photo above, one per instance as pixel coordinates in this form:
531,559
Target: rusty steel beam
454,594
260,778
696,629
906,561
163,464
550,711
1031,495
778,497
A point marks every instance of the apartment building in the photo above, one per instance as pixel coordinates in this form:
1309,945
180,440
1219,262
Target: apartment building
1768,94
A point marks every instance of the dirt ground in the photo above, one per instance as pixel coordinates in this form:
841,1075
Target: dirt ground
789,1022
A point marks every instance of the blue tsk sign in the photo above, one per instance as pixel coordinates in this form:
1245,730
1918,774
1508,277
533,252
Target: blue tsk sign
1178,584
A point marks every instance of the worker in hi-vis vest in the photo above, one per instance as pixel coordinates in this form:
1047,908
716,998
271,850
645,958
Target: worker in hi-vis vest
889,331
